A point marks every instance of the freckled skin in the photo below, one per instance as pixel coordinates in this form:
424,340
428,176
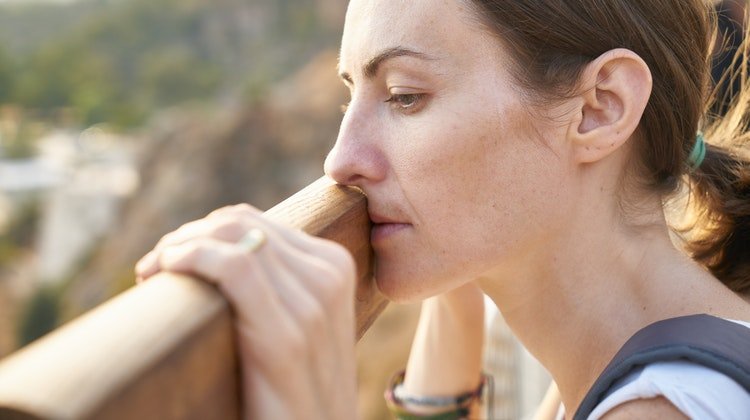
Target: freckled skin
479,176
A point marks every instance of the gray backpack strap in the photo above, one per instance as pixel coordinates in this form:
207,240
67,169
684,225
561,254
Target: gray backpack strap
709,341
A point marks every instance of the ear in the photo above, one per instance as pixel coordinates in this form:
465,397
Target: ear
615,89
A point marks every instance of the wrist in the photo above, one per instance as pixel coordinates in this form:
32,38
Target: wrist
446,356
436,407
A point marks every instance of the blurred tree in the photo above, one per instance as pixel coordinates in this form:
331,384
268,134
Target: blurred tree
126,60
7,71
20,233
164,78
39,317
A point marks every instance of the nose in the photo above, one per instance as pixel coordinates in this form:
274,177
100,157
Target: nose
356,158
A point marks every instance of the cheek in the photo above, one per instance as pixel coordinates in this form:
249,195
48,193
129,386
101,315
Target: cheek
482,190
470,160
447,156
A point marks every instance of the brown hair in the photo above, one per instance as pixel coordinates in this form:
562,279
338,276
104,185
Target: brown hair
553,40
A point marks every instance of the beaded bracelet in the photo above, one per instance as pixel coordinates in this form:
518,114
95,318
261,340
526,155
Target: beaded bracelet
453,408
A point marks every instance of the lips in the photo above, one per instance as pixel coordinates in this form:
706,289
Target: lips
382,220
384,227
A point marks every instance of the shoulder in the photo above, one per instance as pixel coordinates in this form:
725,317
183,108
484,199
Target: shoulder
652,408
676,388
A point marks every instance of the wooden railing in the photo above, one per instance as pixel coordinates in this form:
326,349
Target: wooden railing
164,349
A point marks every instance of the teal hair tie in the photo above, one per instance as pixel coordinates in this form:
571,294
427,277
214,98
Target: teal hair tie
699,152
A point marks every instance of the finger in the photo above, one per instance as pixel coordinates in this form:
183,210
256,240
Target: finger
330,333
243,277
319,324
321,268
243,208
254,217
309,244
236,271
329,275
223,227
283,268
147,266
228,224
267,319
308,250
332,287
311,286
291,280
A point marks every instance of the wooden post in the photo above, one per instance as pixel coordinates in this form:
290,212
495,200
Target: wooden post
165,349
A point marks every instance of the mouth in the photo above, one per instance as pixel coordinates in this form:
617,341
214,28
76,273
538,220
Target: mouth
384,228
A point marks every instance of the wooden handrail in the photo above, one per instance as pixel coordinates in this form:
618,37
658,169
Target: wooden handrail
164,349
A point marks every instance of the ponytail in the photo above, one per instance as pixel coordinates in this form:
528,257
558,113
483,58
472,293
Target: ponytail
721,194
720,185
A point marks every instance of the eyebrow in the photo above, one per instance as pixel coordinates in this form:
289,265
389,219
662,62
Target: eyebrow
373,66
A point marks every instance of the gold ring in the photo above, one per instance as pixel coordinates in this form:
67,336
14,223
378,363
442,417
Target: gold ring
253,240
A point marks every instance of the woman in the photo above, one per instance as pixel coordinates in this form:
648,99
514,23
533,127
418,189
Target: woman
520,149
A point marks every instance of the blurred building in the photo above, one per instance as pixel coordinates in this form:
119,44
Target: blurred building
78,181
98,174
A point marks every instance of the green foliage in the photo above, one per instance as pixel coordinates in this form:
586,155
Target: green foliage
20,234
41,313
20,142
25,26
40,316
164,77
126,59
7,71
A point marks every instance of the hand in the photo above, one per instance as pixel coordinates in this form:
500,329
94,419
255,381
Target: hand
293,300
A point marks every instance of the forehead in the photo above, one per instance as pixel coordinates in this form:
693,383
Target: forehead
442,28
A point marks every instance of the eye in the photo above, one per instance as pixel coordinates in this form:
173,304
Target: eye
408,103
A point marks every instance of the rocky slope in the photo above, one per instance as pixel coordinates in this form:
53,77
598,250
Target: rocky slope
196,160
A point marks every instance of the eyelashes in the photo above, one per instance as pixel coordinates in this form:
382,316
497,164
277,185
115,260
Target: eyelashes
408,103
405,103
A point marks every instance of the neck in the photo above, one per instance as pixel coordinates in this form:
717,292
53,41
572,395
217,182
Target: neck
575,301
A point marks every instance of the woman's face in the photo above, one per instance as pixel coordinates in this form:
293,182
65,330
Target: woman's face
463,180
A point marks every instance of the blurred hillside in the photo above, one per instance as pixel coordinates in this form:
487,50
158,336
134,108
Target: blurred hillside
120,120
117,61
189,85
197,159
193,100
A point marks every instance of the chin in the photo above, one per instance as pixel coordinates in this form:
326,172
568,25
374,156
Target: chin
395,294
401,287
